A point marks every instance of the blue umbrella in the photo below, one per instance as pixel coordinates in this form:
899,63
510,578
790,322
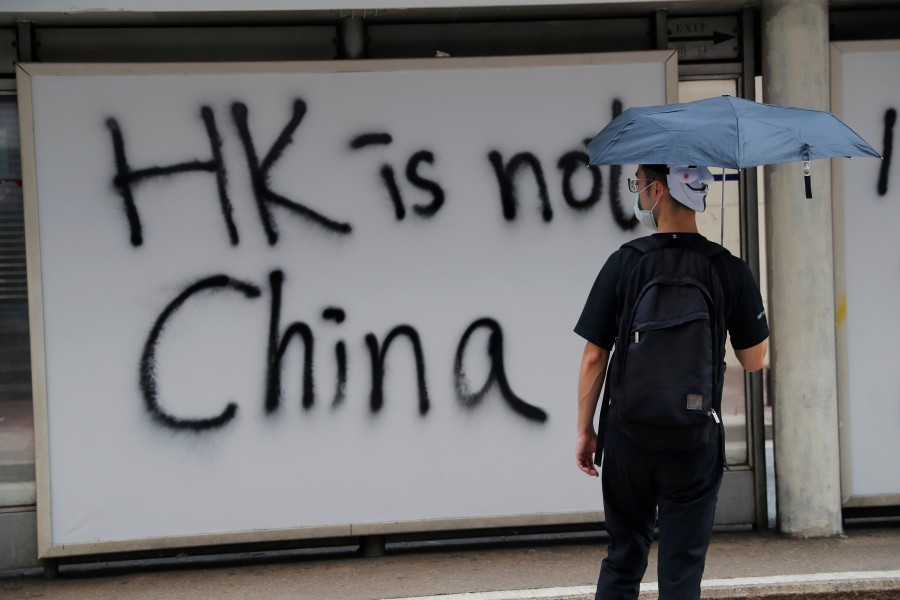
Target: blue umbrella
725,132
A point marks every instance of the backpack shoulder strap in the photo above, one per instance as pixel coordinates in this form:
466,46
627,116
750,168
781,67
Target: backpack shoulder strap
710,249
718,256
645,244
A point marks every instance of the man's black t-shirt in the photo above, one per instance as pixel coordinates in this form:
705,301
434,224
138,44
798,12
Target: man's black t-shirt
745,317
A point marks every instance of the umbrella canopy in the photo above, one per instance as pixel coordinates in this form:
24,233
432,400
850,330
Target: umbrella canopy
724,132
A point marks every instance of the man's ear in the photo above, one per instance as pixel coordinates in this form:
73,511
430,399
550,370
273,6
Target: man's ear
659,192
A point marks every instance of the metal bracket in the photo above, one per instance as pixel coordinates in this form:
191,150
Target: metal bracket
25,41
351,37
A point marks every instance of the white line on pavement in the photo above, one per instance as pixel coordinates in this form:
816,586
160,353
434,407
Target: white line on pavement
559,592
811,578
563,592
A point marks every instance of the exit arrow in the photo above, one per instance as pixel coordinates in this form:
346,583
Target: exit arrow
717,37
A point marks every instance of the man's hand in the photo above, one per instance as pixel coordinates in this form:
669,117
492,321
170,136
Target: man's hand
590,381
585,448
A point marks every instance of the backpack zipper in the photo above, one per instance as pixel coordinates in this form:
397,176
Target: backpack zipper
712,413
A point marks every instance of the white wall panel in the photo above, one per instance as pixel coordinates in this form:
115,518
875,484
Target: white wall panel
866,95
154,324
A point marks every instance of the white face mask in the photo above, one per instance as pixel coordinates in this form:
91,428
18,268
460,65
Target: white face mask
645,216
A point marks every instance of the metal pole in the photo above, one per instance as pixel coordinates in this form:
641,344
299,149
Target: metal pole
753,388
661,28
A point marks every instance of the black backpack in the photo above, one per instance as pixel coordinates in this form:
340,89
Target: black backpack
667,371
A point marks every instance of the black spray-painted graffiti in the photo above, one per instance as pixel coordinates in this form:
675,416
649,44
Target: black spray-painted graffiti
149,389
278,344
570,164
506,171
340,355
412,175
126,178
890,119
497,374
259,172
506,178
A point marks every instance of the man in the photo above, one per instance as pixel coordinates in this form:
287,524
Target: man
644,488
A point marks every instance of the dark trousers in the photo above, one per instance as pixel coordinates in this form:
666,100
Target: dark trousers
677,491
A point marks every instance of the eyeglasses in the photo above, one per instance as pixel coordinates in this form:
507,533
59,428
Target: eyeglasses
633,184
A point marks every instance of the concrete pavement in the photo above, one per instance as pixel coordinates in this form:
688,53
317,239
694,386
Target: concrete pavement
865,563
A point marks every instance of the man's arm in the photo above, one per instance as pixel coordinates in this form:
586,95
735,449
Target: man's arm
590,382
753,358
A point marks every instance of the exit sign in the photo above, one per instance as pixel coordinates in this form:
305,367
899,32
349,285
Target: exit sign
698,39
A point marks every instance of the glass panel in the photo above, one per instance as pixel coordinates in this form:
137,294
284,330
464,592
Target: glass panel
10,161
16,420
710,223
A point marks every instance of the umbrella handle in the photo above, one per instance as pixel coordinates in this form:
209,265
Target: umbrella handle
804,151
807,179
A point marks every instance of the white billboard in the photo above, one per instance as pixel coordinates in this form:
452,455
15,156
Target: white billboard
866,95
319,299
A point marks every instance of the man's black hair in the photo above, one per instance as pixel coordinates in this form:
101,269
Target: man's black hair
657,172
